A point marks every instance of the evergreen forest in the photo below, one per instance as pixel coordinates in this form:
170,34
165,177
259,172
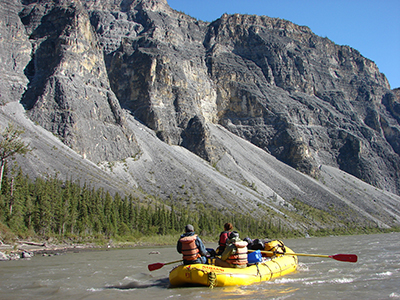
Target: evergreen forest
49,207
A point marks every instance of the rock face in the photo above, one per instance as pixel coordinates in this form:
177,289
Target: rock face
79,67
15,52
304,99
159,73
298,96
69,92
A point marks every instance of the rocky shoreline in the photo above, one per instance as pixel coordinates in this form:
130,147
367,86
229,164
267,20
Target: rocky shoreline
26,250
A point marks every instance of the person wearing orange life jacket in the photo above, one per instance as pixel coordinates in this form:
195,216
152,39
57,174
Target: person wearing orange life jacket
191,247
235,253
223,237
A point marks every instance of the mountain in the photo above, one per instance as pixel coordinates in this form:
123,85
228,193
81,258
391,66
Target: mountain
246,114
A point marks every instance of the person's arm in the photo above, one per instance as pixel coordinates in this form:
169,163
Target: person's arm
201,247
179,247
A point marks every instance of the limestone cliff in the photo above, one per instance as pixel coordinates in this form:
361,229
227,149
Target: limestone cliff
97,74
69,92
298,96
304,99
15,52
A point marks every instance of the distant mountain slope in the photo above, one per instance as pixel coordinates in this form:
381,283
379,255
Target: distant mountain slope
247,113
245,180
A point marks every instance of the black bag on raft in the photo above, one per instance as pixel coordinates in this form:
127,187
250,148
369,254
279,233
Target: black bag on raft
212,252
257,245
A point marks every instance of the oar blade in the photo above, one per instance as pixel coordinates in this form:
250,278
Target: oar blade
155,266
345,257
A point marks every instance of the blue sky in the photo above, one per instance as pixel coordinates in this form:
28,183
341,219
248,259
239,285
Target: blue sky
370,26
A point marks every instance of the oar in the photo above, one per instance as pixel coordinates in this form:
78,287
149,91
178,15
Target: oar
339,257
157,266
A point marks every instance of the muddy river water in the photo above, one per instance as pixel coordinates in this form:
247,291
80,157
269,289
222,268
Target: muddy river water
123,274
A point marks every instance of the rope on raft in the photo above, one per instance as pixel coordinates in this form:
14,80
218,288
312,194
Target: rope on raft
258,272
212,279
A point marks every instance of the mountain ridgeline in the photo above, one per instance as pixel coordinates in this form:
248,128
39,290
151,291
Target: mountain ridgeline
246,114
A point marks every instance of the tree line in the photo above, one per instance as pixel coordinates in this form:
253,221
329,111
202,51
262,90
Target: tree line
51,207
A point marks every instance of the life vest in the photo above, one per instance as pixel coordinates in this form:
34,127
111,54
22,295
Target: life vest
189,248
240,257
222,238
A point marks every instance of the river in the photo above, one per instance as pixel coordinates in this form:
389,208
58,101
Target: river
123,274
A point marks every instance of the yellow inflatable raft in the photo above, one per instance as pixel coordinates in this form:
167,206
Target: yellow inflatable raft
210,275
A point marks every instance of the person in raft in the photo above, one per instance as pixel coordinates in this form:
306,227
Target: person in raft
191,247
223,237
235,253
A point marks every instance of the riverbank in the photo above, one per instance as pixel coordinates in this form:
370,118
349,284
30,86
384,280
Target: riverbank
23,249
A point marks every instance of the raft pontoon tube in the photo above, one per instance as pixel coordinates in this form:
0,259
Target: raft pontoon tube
211,275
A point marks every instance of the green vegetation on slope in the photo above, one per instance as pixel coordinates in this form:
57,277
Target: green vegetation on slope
46,208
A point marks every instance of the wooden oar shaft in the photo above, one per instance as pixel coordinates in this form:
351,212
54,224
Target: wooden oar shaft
305,254
272,252
172,262
340,257
157,266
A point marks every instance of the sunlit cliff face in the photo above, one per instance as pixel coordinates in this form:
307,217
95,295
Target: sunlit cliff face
79,68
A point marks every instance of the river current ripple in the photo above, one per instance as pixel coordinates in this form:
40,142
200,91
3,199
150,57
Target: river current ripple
123,274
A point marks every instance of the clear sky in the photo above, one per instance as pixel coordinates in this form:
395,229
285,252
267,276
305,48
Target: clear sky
370,26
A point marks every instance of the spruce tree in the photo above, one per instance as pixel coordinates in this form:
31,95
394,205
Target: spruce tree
11,145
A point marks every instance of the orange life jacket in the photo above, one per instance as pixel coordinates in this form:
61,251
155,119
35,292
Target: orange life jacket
240,257
189,248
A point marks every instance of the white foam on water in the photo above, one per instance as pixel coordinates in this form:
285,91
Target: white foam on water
287,280
331,281
302,267
388,273
342,280
314,282
394,295
95,289
333,270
